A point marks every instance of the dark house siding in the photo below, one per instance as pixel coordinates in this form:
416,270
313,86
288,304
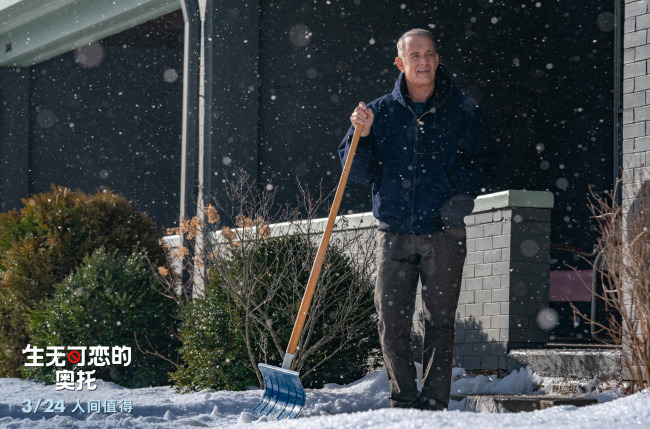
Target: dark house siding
286,76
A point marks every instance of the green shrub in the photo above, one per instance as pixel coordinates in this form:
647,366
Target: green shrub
110,301
45,241
256,292
213,352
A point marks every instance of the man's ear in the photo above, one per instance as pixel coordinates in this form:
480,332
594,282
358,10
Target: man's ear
399,63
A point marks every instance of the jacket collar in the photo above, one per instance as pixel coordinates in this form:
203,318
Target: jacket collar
444,87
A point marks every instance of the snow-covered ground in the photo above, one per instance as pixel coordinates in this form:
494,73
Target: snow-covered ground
360,404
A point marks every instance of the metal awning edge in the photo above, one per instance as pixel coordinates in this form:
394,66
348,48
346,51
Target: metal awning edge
73,24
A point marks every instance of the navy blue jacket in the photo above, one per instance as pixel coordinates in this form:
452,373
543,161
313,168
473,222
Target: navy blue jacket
415,165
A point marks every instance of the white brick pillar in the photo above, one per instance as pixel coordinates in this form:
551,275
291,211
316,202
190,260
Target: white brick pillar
505,283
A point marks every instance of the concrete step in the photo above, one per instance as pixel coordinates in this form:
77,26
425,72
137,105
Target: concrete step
569,361
483,403
572,371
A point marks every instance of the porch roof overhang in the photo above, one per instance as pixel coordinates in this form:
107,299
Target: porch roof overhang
32,31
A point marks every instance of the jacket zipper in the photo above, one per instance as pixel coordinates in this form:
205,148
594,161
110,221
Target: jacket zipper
420,122
415,162
415,165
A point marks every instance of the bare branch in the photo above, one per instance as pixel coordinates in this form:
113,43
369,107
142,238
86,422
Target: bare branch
625,275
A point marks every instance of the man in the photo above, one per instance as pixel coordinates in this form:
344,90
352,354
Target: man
426,151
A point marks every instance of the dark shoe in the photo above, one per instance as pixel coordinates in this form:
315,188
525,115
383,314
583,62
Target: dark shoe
415,403
431,404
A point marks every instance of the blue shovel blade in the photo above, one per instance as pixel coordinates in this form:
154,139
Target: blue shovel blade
284,396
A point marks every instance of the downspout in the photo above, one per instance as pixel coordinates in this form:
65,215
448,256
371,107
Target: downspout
192,157
199,270
190,131
207,56
200,203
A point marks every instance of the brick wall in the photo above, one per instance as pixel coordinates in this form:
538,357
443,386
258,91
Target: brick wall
636,100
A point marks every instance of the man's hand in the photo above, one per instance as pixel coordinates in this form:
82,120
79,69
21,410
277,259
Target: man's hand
364,116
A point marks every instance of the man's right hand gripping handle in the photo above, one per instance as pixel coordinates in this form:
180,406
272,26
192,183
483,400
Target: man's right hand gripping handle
362,115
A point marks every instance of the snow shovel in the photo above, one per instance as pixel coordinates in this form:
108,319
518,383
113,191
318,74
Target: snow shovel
284,396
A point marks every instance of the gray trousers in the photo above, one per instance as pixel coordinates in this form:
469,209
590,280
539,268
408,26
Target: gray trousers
437,259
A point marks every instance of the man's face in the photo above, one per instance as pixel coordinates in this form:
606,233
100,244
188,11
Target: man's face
419,62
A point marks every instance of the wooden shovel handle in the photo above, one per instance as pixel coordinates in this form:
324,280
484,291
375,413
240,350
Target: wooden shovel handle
322,248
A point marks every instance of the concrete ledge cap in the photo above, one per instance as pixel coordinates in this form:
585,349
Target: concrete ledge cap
513,198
